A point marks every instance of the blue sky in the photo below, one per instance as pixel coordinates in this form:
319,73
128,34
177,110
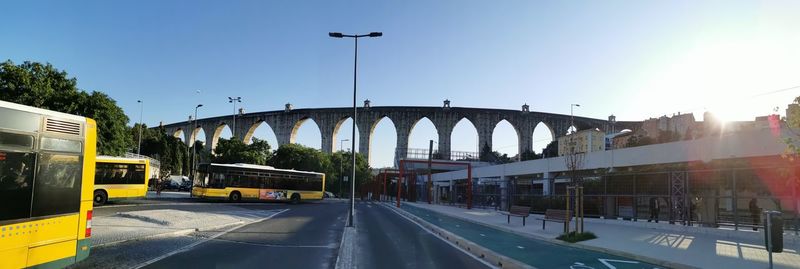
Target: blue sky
633,59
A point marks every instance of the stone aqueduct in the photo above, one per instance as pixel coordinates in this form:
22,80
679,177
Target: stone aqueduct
285,124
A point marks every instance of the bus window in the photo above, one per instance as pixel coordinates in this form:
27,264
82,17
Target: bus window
216,180
58,181
16,140
136,174
16,180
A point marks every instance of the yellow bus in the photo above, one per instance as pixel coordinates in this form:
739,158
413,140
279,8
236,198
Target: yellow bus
120,178
236,182
46,172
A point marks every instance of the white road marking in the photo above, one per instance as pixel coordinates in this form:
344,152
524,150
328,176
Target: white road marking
520,247
190,246
483,235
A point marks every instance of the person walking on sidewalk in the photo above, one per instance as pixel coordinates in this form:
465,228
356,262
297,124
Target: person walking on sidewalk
655,208
755,211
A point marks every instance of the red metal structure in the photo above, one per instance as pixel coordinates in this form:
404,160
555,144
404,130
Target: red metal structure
469,177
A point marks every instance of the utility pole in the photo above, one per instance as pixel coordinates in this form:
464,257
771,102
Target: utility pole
234,101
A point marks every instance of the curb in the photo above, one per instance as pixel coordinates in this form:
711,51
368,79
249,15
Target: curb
646,259
344,257
485,254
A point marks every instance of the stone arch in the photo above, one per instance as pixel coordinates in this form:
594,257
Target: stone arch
422,144
338,139
504,147
218,133
179,134
194,136
251,132
383,154
543,134
298,124
464,125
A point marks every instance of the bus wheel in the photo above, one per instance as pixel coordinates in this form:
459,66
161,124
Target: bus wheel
100,197
295,199
235,196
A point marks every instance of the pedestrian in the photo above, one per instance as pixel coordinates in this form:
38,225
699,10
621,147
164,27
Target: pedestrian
755,212
655,207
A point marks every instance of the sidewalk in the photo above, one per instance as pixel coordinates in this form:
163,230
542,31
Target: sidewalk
692,246
126,226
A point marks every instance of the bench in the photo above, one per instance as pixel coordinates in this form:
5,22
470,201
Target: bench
555,215
517,211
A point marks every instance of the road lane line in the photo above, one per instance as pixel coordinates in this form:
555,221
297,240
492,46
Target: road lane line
276,246
190,246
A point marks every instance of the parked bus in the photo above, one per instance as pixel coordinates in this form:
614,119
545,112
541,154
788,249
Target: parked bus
118,178
46,183
236,182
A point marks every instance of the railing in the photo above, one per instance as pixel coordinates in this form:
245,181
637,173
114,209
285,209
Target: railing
153,162
416,153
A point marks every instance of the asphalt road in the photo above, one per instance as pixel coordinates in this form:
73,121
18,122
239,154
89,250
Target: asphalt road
305,236
387,240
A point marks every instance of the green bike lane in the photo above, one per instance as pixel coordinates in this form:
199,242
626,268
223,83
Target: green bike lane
534,252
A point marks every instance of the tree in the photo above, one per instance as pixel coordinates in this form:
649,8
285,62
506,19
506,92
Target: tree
530,155
342,165
298,157
235,151
44,86
167,149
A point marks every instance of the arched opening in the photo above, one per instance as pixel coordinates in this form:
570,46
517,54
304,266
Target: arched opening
383,142
418,141
262,131
306,132
222,131
464,141
342,135
505,139
543,135
179,134
199,135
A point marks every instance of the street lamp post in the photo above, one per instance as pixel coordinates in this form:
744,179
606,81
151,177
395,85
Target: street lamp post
194,150
234,101
141,109
355,114
572,118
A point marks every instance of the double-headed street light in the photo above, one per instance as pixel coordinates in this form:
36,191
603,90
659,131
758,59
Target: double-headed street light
234,101
355,114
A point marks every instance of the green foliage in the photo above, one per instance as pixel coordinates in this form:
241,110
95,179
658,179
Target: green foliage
235,151
298,157
342,165
530,155
44,86
336,165
573,237
487,155
169,150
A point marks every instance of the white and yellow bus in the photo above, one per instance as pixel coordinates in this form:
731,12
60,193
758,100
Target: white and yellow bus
46,184
236,182
118,178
